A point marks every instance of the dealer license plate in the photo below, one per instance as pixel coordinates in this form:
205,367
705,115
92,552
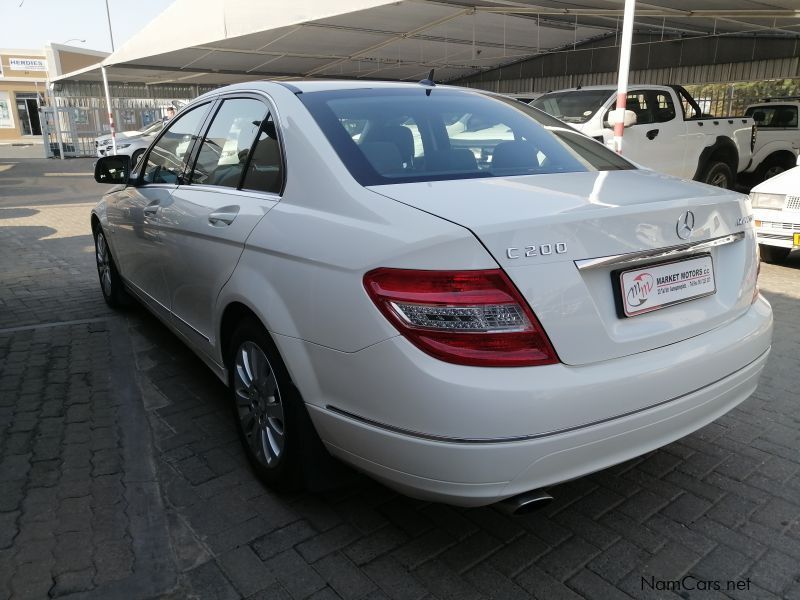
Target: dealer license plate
650,288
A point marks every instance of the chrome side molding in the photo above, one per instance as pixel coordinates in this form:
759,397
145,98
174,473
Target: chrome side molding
670,251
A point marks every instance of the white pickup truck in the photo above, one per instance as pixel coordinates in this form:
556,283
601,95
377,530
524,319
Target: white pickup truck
669,133
778,139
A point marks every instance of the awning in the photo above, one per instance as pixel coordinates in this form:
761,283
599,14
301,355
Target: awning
220,42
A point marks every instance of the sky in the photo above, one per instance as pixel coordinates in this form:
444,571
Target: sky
30,24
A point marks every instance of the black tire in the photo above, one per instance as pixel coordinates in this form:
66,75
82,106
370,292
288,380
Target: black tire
773,254
283,471
111,284
773,165
135,158
718,174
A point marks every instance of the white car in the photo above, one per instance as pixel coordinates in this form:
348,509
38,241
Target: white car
132,145
464,332
104,141
778,137
776,208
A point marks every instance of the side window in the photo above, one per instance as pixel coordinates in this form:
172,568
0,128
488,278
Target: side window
767,117
265,170
663,108
787,117
167,159
226,147
639,103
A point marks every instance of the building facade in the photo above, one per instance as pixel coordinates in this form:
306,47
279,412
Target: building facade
24,78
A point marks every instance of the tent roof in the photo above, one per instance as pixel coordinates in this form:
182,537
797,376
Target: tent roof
225,41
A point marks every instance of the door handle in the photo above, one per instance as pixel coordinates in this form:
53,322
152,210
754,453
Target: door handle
150,210
224,216
652,134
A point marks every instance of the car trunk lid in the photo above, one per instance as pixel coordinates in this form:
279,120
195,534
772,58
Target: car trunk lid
546,230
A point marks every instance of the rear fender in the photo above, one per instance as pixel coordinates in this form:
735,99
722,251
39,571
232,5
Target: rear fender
773,150
722,149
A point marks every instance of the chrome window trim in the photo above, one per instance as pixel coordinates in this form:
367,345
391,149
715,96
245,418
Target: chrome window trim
668,252
228,191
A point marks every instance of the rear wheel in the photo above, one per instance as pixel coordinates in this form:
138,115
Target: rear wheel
273,425
773,254
718,174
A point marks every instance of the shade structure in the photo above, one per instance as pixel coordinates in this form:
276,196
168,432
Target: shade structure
224,41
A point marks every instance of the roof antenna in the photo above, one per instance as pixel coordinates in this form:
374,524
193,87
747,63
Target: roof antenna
428,80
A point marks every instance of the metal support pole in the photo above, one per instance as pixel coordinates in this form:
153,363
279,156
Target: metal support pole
110,33
624,67
110,112
56,121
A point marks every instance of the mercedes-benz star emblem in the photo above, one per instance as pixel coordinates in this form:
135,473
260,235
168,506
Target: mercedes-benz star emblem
685,225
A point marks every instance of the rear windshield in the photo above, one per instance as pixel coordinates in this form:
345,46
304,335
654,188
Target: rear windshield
402,135
574,106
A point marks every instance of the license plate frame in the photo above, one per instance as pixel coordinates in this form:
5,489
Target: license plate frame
618,285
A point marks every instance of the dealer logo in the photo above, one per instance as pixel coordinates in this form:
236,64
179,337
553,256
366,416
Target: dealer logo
639,291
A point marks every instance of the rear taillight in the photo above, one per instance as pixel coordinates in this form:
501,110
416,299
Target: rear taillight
464,317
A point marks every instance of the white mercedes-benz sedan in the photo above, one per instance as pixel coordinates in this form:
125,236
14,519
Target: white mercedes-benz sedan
469,317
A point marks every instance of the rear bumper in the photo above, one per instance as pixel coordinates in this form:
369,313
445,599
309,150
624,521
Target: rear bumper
776,227
479,474
776,237
474,436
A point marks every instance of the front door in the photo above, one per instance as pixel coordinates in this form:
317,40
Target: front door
136,214
28,111
657,141
235,181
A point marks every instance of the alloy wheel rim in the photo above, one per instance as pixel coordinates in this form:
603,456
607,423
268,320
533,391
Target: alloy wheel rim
719,180
103,263
259,405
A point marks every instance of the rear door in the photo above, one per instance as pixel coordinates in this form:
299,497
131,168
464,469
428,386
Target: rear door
236,179
137,212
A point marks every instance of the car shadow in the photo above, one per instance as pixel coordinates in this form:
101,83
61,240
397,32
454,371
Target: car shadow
621,501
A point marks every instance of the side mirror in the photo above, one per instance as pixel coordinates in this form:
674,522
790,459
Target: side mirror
112,169
628,117
758,116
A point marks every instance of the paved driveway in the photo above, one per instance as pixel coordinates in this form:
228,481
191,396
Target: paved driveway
121,476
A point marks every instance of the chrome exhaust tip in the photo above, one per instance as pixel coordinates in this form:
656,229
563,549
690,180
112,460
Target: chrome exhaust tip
524,503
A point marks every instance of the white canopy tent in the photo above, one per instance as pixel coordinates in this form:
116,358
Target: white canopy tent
224,41
216,42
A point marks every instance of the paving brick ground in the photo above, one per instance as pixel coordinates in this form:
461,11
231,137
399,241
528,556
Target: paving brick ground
121,473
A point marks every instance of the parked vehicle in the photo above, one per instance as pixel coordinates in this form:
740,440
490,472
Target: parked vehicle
778,139
465,331
104,141
776,208
525,98
669,134
132,145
